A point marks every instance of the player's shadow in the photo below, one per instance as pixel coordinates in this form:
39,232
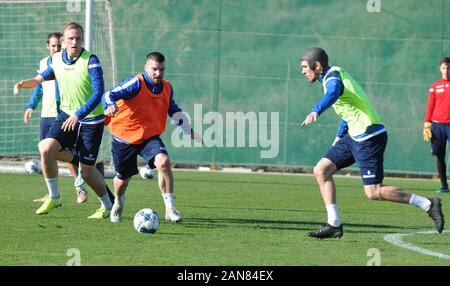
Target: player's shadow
293,225
249,182
277,183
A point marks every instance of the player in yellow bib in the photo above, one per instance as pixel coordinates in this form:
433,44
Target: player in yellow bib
48,93
361,138
79,122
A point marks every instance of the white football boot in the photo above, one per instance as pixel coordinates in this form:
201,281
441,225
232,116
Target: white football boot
116,213
173,215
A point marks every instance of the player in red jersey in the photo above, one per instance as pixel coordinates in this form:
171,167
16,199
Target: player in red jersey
437,121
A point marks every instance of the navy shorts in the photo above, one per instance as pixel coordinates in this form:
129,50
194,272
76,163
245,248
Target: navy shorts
45,125
441,135
125,155
368,154
84,141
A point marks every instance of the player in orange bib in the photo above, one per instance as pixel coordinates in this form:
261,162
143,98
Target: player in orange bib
137,111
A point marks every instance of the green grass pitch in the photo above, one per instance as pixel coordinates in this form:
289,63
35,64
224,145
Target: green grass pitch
230,219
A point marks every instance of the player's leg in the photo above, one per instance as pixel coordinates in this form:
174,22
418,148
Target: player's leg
120,186
338,157
441,134
323,172
369,155
166,183
442,172
125,165
432,206
44,126
78,182
47,149
97,183
154,152
88,146
370,160
72,165
387,193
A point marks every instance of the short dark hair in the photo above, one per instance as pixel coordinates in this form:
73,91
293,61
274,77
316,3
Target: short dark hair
157,57
57,35
73,25
445,60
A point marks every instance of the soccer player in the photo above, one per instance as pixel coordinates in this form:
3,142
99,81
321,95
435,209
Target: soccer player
361,138
437,121
79,124
138,109
48,93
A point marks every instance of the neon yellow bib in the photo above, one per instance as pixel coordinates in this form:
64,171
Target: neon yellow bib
353,105
75,85
48,90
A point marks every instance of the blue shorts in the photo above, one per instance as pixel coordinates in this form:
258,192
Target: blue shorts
84,141
368,154
441,135
125,155
45,124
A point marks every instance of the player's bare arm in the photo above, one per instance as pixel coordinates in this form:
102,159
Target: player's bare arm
27,83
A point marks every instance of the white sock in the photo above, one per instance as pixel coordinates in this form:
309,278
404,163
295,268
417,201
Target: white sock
105,202
79,180
120,200
333,215
420,202
52,186
168,200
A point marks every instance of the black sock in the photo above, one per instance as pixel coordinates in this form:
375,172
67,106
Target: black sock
442,171
110,194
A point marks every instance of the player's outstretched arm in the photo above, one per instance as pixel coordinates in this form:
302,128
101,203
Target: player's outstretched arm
27,83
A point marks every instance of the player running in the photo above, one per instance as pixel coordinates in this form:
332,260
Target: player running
361,138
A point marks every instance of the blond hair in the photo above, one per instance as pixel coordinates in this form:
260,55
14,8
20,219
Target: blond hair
72,25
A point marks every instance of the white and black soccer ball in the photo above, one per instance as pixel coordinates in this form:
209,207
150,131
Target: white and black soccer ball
146,172
33,167
146,221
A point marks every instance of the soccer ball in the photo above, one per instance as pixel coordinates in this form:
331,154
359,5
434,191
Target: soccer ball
146,172
146,221
33,167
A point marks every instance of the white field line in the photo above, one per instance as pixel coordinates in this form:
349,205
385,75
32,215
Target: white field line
397,239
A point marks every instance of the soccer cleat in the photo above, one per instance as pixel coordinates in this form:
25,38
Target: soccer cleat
173,215
435,212
116,213
442,190
100,213
42,199
81,194
49,204
327,231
